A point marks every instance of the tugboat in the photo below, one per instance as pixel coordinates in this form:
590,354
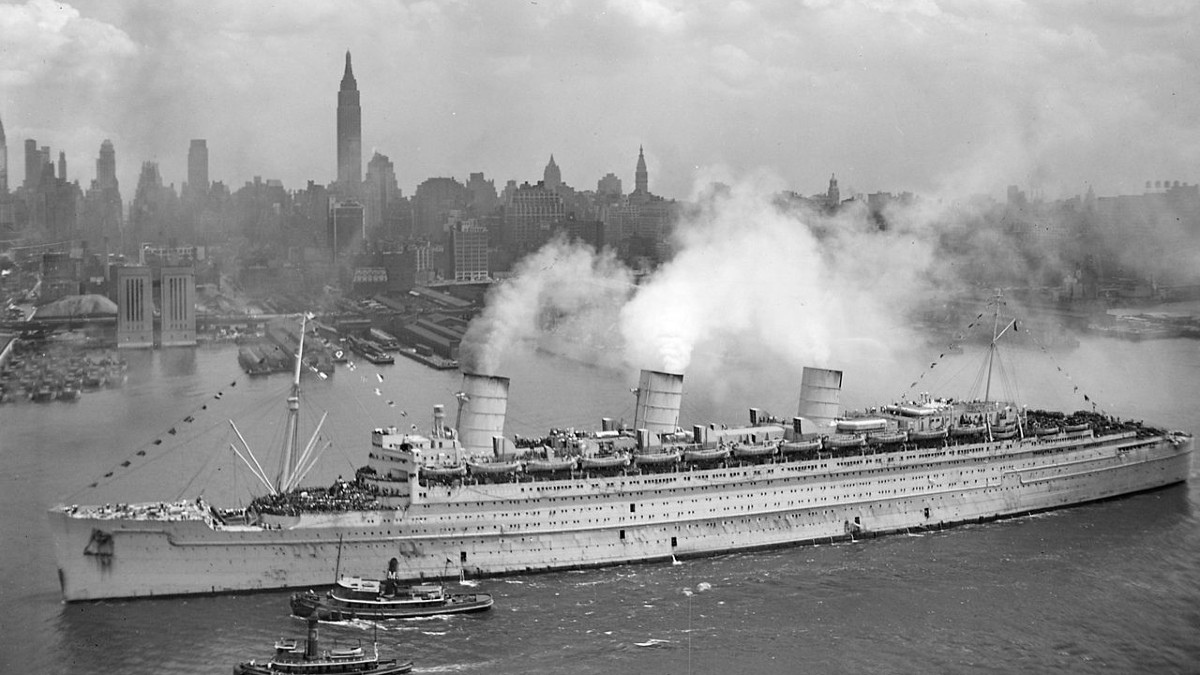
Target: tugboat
291,658
355,598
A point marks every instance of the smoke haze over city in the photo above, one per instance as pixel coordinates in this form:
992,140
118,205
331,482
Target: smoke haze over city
935,98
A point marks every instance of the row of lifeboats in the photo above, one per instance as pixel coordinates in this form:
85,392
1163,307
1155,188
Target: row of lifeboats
839,441
750,452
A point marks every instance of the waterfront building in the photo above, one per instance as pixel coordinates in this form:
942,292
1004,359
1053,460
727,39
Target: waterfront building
135,308
178,306
349,134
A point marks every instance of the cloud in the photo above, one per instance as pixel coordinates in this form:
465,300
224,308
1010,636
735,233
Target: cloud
49,44
892,96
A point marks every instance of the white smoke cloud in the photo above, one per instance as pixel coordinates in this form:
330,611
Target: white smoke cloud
756,292
562,287
753,293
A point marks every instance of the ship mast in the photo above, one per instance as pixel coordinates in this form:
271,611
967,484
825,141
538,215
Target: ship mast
287,463
996,301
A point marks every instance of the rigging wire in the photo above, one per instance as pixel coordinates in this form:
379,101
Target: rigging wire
958,338
183,429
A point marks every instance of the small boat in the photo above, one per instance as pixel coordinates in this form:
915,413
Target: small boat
845,441
494,468
706,454
444,471
612,461
356,598
42,393
967,430
656,458
1004,433
756,451
927,434
289,657
1076,428
550,464
70,391
1045,431
810,445
887,437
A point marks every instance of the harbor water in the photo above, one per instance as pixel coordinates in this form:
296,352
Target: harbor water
1111,587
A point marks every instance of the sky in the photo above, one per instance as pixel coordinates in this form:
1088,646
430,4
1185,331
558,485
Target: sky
945,99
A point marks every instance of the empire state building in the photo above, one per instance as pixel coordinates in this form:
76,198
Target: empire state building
349,133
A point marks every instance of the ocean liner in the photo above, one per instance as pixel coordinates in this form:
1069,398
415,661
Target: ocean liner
464,499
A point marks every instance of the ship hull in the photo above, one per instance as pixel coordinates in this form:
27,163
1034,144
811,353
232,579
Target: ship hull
485,530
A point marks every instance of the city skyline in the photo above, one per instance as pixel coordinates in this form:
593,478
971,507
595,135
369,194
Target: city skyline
910,97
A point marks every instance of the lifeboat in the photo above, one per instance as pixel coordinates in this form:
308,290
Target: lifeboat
1045,431
656,458
1076,428
927,434
861,425
967,430
755,451
455,471
604,461
845,441
888,437
706,455
494,468
810,445
1004,433
550,464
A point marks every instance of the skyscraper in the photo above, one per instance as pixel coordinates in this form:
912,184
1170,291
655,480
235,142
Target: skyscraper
106,166
641,179
198,168
349,133
552,176
381,193
102,204
3,161
33,164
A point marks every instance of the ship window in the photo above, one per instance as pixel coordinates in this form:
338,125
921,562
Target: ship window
622,535
462,556
673,542
633,508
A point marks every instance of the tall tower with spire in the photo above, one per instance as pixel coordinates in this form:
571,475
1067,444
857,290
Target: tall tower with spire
349,133
3,161
552,177
833,196
641,179
106,166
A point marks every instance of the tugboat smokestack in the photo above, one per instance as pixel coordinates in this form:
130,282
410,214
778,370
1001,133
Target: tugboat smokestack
310,650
